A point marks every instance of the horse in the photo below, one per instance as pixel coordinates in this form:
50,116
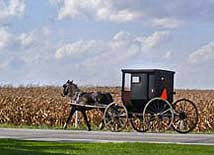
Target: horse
77,96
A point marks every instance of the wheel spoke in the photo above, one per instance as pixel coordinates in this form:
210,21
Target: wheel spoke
181,125
151,108
161,113
111,121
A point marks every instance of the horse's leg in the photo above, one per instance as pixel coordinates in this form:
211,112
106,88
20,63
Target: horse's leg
73,109
86,120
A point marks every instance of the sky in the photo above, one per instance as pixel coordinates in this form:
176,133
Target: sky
47,42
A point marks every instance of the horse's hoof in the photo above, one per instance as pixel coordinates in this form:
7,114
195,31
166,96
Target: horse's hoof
101,126
89,129
65,127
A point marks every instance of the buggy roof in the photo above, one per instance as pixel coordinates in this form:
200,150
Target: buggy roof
145,70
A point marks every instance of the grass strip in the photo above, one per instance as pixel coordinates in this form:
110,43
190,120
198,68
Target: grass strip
20,147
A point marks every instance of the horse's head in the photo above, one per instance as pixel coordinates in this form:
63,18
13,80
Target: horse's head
69,89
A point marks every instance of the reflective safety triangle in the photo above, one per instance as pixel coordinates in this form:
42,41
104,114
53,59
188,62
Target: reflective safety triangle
164,94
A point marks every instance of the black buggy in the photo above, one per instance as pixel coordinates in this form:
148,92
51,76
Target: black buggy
147,96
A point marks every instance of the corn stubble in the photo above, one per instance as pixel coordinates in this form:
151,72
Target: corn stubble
44,106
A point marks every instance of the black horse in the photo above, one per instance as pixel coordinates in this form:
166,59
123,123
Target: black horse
71,90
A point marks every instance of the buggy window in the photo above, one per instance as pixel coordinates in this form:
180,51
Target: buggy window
135,79
127,82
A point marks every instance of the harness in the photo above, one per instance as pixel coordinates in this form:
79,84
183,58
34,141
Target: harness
76,97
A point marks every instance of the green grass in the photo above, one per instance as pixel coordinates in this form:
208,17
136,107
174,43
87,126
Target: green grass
18,147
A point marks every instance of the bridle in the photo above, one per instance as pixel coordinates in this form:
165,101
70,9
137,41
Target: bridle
72,91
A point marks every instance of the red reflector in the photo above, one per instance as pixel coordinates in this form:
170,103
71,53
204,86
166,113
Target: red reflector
164,94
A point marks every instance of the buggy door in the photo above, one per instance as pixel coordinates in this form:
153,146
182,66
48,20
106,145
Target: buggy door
139,85
143,86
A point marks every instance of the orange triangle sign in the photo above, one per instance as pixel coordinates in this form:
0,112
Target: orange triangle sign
164,94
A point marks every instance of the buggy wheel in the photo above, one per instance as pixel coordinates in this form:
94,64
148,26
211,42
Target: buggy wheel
137,122
115,117
186,116
158,115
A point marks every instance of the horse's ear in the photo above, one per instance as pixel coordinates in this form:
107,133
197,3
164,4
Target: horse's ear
71,81
68,81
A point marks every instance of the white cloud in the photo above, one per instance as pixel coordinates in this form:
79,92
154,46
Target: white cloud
122,46
5,37
76,49
121,36
121,39
29,47
206,52
153,41
80,49
75,8
25,39
164,14
97,9
156,39
117,16
166,22
34,37
11,8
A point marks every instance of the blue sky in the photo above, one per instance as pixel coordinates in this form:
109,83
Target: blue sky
47,42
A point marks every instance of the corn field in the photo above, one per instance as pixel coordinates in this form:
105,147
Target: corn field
44,106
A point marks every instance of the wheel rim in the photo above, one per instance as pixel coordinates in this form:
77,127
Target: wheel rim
158,115
137,122
186,116
115,117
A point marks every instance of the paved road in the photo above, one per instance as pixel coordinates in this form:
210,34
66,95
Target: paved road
100,136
